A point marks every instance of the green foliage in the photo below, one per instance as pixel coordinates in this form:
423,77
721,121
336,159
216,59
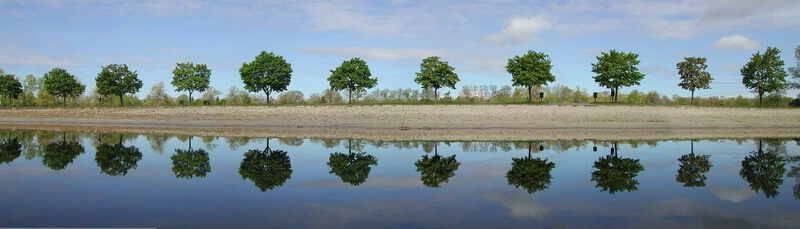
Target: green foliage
763,171
617,69
57,155
190,78
764,73
354,76
59,82
531,174
267,169
692,172
116,159
291,97
158,96
267,73
352,168
10,87
10,149
795,71
435,73
616,174
437,169
115,79
694,75
530,70
190,163
211,96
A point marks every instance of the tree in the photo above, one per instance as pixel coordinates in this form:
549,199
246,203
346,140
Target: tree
530,70
158,95
267,169
352,168
616,174
190,163
30,87
763,171
617,69
795,71
352,75
764,73
436,169
693,169
190,77
10,149
57,155
116,159
694,75
267,73
115,79
10,87
59,82
533,174
434,73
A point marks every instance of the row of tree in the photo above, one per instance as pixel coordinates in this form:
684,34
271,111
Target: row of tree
269,73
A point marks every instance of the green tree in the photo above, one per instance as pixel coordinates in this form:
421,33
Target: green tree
267,169
117,159
795,71
435,73
57,155
617,69
30,87
354,76
694,75
10,150
352,168
190,78
10,87
530,70
267,73
190,163
764,73
616,174
436,169
692,172
532,174
59,82
115,79
763,171
158,95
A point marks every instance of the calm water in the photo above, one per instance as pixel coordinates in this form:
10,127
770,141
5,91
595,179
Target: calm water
52,179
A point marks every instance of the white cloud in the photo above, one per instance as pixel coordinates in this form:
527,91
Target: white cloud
733,195
520,30
519,204
736,42
377,53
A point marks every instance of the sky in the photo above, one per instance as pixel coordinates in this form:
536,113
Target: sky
476,37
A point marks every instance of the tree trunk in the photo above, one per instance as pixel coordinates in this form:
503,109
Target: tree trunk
760,95
65,101
190,98
349,96
691,101
267,93
436,94
616,95
529,94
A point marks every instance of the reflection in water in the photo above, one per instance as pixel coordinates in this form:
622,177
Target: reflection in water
436,169
57,155
190,163
117,159
352,168
10,149
794,172
267,169
533,174
692,172
763,171
616,174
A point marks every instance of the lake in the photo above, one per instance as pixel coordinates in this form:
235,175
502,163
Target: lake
55,179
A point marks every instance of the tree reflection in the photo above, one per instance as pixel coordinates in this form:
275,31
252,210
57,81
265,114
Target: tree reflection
352,167
794,172
267,169
57,155
117,159
532,174
616,174
190,163
692,172
436,169
763,171
10,150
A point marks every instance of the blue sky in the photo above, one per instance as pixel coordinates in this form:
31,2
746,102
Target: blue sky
476,37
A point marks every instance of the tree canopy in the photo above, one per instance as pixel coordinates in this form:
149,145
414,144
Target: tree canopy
57,155
190,78
353,75
435,73
764,73
10,87
267,73
693,169
190,163
10,149
115,79
617,69
117,159
764,171
267,169
59,82
437,169
530,70
616,174
795,71
532,174
352,168
694,75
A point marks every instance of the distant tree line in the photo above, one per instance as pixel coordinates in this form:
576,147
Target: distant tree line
531,72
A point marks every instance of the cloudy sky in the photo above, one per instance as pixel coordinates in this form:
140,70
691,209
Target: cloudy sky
476,37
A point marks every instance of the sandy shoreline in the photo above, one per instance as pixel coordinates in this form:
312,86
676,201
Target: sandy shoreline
421,122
